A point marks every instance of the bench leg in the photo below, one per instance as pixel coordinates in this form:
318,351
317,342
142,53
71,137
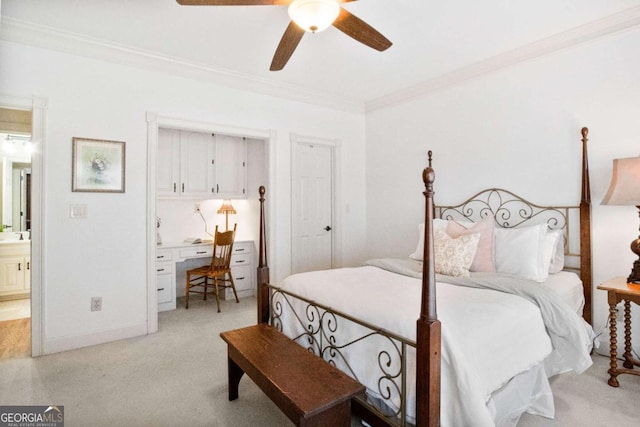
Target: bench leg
235,374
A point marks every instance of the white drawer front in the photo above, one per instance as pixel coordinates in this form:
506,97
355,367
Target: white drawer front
240,260
242,278
163,255
164,294
240,248
197,252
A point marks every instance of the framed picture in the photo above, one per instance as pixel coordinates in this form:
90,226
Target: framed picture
98,166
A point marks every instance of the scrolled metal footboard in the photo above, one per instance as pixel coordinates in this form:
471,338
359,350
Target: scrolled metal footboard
340,339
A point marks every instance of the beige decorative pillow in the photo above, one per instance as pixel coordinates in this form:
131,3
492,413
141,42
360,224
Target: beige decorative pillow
453,257
483,259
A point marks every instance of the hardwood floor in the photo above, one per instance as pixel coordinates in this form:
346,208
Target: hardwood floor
16,338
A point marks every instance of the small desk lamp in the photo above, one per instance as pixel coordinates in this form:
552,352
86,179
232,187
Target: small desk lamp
625,191
227,208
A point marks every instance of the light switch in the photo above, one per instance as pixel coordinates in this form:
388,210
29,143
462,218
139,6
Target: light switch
78,211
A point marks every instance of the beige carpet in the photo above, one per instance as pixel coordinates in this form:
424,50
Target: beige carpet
177,377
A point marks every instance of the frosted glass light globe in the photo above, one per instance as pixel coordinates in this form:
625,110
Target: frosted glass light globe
314,15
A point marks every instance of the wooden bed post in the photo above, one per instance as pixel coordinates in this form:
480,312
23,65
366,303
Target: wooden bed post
585,231
263,267
428,326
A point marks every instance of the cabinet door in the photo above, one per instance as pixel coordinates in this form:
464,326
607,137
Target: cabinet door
12,273
196,164
27,273
231,170
168,164
165,282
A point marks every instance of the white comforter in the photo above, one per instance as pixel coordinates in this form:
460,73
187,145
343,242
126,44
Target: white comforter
487,336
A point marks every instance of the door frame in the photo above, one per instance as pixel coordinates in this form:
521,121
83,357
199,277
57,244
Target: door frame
38,107
335,146
154,121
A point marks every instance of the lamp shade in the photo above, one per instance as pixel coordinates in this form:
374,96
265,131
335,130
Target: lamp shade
314,15
226,208
625,183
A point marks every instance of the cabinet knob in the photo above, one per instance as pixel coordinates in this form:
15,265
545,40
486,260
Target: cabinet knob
160,269
160,289
19,266
327,228
174,187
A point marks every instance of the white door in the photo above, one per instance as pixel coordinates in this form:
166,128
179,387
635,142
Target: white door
312,207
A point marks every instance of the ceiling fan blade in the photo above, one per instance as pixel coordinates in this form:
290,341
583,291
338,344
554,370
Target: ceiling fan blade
233,2
359,30
288,43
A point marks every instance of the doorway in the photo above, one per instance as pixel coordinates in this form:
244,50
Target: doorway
37,108
313,189
15,226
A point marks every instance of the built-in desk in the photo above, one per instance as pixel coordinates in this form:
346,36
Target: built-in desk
168,255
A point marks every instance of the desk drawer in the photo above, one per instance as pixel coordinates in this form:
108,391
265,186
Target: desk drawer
163,255
165,281
240,248
240,260
196,252
242,278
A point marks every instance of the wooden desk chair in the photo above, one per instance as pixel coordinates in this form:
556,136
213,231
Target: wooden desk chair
218,273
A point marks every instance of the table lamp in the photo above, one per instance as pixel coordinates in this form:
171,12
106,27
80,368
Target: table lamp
227,208
625,191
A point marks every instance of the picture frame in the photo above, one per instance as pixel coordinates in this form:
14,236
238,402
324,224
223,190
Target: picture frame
98,166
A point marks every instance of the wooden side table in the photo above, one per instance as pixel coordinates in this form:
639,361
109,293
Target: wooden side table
618,290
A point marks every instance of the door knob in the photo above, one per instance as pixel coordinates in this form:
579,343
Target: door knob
327,228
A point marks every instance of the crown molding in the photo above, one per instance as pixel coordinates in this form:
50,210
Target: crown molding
29,33
622,21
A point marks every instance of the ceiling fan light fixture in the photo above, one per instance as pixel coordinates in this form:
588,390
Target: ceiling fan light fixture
314,15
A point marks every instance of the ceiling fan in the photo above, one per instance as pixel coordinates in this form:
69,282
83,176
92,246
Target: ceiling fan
311,16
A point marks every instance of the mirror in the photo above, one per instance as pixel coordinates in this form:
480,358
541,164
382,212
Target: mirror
15,173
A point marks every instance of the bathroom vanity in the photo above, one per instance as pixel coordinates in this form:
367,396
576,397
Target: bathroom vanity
15,268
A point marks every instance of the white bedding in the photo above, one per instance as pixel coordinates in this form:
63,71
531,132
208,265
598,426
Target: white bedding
569,287
497,336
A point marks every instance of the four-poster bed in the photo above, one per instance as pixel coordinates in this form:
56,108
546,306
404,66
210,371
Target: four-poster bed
411,387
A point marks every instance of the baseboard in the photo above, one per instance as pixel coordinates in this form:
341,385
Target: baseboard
12,297
56,345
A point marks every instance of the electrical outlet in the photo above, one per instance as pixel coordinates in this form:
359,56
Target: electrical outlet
96,304
196,208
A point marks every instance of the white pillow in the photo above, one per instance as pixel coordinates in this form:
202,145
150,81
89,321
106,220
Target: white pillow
438,224
525,251
453,257
557,258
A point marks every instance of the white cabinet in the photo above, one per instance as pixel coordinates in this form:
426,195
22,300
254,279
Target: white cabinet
231,167
165,280
242,268
200,165
168,167
15,268
196,164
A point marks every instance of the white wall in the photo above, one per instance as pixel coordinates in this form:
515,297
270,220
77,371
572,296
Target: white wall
518,128
105,254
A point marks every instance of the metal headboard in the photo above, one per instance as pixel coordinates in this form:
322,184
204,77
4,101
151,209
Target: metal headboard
510,211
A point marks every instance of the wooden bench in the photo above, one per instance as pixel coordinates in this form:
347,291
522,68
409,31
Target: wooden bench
308,390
